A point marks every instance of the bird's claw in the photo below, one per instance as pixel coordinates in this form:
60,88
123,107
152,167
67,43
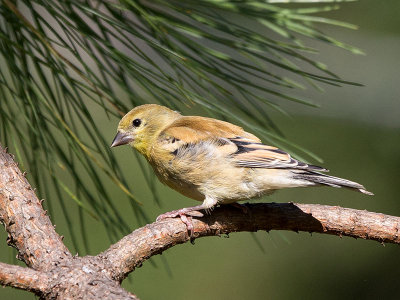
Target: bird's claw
184,215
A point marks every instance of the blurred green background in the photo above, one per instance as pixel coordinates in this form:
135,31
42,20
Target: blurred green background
357,133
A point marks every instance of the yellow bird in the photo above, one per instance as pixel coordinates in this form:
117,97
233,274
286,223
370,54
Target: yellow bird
214,161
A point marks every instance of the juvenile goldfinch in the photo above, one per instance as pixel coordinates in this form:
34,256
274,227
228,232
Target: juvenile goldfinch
214,161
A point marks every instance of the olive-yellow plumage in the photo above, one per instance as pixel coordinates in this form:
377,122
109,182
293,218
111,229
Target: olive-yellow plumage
214,161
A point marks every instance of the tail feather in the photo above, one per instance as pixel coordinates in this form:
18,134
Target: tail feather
319,178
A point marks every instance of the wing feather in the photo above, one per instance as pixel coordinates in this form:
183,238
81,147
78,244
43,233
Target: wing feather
257,155
192,130
189,135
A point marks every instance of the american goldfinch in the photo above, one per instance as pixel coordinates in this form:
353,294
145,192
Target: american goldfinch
214,161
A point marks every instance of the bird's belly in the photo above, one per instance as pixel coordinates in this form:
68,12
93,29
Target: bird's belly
187,189
226,183
236,189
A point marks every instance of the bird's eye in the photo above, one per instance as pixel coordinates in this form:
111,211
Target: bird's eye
136,122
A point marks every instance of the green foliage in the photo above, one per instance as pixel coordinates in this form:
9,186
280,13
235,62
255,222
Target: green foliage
63,62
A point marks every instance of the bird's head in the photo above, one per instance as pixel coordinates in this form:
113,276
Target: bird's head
140,127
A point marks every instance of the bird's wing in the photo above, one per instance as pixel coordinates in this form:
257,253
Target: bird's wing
195,135
190,131
257,155
194,129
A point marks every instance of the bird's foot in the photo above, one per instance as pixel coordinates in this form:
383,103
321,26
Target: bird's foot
185,216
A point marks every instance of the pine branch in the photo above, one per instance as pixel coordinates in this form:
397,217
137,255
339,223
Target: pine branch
23,278
155,238
29,228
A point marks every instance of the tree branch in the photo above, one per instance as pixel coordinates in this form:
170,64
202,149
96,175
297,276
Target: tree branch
40,247
29,228
23,278
135,248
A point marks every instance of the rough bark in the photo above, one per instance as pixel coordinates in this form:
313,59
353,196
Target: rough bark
53,273
29,228
23,278
135,248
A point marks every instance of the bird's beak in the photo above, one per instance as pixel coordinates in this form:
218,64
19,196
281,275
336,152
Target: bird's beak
121,139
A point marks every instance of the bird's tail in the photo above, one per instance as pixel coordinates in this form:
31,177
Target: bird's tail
319,178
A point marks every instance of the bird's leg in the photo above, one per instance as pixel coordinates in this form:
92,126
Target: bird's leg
187,213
